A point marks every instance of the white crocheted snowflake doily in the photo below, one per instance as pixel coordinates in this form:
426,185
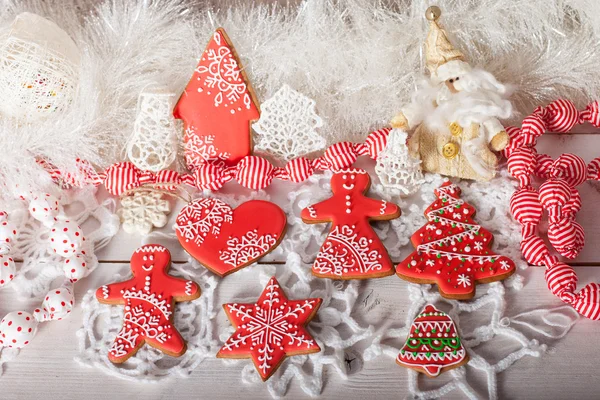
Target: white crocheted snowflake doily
194,320
40,266
481,321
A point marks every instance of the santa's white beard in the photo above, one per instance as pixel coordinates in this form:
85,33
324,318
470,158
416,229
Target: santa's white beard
480,98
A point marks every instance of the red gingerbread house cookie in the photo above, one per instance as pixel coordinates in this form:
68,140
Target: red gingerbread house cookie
217,107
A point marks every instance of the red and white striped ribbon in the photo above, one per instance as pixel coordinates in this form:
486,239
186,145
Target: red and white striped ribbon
252,172
557,195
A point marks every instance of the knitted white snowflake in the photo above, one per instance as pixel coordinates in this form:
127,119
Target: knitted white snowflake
287,124
142,211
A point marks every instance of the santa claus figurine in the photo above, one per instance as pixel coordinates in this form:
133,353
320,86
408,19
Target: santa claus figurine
455,112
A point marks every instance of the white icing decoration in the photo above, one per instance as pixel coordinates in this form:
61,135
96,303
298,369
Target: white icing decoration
351,252
241,250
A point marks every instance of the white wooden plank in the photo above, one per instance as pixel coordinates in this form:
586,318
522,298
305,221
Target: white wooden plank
46,368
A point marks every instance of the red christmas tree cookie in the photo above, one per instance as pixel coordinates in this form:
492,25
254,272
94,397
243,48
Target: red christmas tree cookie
271,329
452,251
217,107
352,249
149,298
433,345
225,240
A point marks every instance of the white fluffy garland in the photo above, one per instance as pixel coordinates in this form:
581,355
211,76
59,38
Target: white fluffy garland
358,59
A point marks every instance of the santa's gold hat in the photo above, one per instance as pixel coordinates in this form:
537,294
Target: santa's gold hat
441,58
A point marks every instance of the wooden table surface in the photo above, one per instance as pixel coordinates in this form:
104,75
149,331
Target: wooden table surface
46,369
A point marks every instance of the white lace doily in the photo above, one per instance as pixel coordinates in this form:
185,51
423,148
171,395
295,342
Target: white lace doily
483,322
286,128
40,265
194,320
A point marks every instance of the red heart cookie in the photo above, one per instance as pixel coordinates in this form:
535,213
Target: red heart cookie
225,240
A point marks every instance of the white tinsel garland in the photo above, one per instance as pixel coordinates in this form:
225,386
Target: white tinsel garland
358,59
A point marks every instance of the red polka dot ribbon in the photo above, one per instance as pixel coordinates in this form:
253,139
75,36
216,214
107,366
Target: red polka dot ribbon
252,172
557,195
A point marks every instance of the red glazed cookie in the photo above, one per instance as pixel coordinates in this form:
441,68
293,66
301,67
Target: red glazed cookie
452,250
225,240
352,249
270,329
433,345
149,298
217,107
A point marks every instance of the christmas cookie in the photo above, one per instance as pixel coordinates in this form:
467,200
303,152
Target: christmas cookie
149,298
452,251
352,249
217,107
270,329
433,345
225,240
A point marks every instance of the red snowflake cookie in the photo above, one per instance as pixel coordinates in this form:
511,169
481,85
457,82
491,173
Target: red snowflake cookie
270,329
149,298
452,251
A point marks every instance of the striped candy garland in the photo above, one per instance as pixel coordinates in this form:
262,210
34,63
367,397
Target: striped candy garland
558,195
252,172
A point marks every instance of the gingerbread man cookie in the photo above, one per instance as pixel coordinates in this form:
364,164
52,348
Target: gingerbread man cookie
352,249
225,240
452,251
433,345
149,298
271,329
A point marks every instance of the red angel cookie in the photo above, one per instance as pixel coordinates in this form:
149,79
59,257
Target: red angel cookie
433,345
452,250
149,298
271,329
352,249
